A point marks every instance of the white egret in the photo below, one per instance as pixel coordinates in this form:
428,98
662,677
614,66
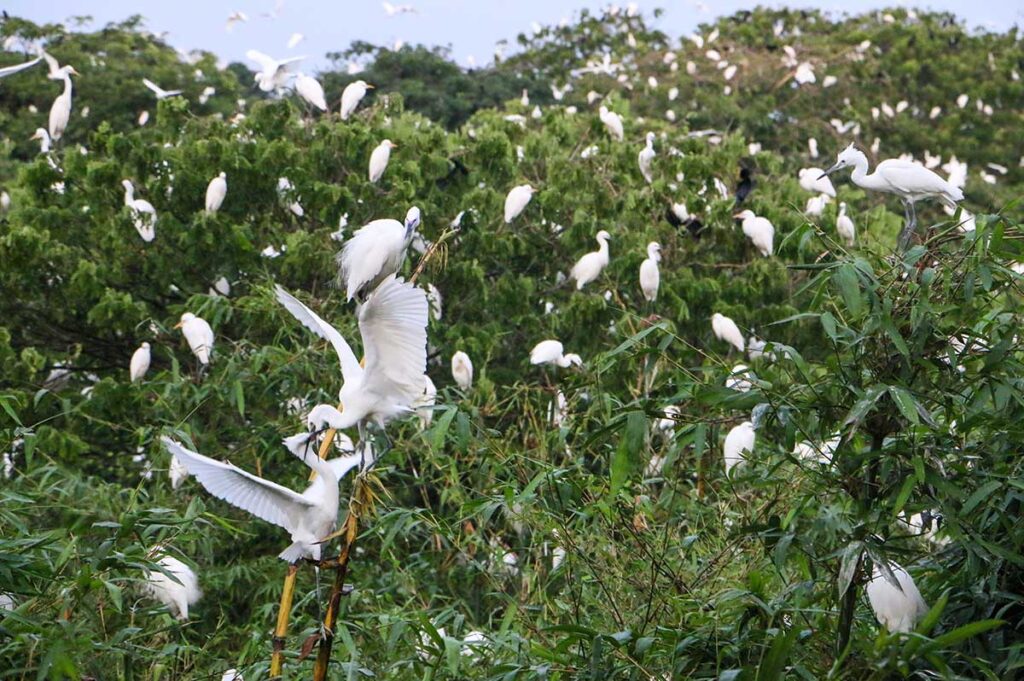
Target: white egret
231,675
590,266
822,453
139,364
284,189
44,140
351,96
310,90
613,122
739,379
759,230
650,276
517,200
234,18
551,352
55,70
215,192
462,370
725,329
274,74
910,181
177,472
11,70
926,525
393,328
142,211
60,112
375,251
844,225
309,517
434,298
392,10
558,410
898,609
178,589
159,91
814,180
379,159
424,404
739,440
646,157
295,39
199,335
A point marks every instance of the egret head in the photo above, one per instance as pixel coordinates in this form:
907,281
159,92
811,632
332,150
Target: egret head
654,250
127,184
363,84
223,175
389,144
412,220
571,359
603,235
603,110
185,318
744,215
847,157
145,346
650,139
40,134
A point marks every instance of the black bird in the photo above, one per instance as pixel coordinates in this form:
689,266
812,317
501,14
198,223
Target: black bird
744,187
692,224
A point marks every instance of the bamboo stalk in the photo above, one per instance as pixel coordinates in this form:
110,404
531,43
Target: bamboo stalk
323,655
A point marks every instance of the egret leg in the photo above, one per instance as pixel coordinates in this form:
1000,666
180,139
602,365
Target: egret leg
908,229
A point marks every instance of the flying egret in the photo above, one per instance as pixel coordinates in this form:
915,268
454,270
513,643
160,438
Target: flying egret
910,181
309,517
392,10
590,266
844,225
424,404
60,112
516,201
215,192
274,73
178,589
379,159
198,334
759,230
646,157
310,90
551,352
159,91
54,69
142,211
234,18
650,277
11,70
726,329
375,251
462,370
351,96
393,328
139,364
44,140
613,122
739,440
814,180
897,609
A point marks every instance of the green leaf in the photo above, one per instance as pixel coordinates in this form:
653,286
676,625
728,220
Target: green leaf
960,634
845,279
864,405
240,399
904,494
848,565
982,492
440,429
628,452
905,403
115,594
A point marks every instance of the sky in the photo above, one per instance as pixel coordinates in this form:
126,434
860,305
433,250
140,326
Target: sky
471,27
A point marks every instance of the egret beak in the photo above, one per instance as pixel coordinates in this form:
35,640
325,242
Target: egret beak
179,325
370,87
829,171
738,215
394,146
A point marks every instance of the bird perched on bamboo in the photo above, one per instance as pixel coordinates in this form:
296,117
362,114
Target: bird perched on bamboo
139,364
725,329
462,370
650,276
516,201
351,96
199,334
759,230
176,586
215,192
551,352
613,122
142,211
375,252
844,226
60,111
589,267
379,158
898,607
738,442
646,158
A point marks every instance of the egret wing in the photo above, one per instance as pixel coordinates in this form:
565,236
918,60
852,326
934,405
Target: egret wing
341,465
11,70
153,86
267,64
911,177
51,63
349,364
393,325
289,64
264,499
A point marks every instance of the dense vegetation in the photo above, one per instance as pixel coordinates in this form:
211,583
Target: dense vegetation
605,544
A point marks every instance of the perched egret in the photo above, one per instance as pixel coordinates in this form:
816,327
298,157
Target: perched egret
139,365
393,328
759,230
725,329
231,675
424,404
379,159
215,192
739,440
310,90
650,277
177,589
375,251
517,200
60,112
551,352
44,140
159,91
816,204
897,609
143,212
11,70
462,370
814,180
910,181
646,157
198,334
822,453
613,122
590,266
273,74
844,225
351,96
309,517
739,379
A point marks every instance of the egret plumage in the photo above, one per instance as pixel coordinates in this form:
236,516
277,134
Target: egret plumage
646,158
551,352
739,441
310,90
759,230
813,180
142,211
462,370
650,275
424,404
11,70
613,122
516,201
44,140
199,336
215,192
739,379
589,267
844,226
139,364
725,329
910,181
351,96
60,111
309,517
898,609
379,159
178,589
375,251
274,74
159,91
177,472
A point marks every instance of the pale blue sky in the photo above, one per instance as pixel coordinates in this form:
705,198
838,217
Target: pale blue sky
471,27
